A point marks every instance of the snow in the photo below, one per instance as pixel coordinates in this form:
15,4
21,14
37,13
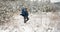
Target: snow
36,23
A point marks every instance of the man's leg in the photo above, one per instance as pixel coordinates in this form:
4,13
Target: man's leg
24,19
27,18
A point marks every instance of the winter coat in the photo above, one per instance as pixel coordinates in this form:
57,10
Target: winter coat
24,12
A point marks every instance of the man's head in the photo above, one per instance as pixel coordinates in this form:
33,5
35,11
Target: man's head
25,8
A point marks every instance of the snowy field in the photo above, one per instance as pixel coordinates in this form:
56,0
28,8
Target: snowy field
44,22
38,21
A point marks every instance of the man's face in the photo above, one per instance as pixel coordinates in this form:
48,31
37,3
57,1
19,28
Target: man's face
26,8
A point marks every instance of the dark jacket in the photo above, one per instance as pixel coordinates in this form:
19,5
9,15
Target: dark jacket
24,12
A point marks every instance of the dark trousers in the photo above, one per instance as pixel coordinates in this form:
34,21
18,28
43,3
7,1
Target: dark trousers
26,19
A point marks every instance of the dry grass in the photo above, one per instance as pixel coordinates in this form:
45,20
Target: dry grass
54,19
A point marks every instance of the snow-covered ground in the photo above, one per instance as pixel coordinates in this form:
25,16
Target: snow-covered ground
44,22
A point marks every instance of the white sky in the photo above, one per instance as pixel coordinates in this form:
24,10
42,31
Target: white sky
55,0
52,0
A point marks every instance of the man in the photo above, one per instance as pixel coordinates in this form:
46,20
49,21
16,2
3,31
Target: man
25,14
